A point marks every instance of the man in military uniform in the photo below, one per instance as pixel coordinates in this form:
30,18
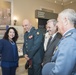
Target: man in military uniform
65,56
33,48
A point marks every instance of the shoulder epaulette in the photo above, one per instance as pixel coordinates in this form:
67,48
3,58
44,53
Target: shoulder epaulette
69,34
38,33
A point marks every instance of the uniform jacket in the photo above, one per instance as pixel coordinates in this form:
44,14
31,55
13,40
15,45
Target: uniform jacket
66,55
50,49
6,51
33,45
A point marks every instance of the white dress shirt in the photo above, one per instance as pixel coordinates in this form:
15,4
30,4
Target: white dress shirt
47,36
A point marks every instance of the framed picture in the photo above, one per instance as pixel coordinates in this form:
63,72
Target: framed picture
5,13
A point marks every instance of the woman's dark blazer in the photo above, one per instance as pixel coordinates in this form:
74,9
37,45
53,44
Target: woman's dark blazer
6,51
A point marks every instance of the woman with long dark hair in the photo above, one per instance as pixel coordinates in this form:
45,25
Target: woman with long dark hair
9,52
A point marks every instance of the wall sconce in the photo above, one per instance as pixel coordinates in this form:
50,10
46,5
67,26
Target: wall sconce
37,20
15,20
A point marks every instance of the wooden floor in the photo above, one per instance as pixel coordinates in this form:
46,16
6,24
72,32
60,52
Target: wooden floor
20,70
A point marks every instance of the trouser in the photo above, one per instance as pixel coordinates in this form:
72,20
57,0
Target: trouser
9,70
35,69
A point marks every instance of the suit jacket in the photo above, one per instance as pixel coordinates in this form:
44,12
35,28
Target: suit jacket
65,63
6,51
33,45
50,49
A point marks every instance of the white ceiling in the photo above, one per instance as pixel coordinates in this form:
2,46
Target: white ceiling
62,2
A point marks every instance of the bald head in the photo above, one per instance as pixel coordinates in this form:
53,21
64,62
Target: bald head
26,21
27,25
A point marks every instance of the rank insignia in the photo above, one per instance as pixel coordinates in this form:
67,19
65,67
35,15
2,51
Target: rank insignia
68,34
31,36
37,33
56,48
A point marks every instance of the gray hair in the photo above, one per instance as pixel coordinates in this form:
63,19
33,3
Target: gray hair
52,20
70,14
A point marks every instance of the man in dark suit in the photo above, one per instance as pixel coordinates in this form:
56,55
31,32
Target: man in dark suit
33,48
54,39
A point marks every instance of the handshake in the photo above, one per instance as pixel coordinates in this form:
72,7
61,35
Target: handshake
28,64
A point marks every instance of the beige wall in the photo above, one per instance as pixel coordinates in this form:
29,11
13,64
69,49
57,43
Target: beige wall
26,9
72,6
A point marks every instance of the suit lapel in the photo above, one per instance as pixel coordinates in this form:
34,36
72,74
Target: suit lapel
51,41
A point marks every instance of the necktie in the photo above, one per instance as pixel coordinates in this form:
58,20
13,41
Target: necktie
49,41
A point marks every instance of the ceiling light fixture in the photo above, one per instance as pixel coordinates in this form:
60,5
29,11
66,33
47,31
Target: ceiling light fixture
71,2
55,1
62,3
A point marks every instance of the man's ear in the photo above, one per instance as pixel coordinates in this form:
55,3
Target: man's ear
65,21
56,28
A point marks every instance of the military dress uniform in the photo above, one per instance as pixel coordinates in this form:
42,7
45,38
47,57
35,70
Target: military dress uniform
65,57
33,47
